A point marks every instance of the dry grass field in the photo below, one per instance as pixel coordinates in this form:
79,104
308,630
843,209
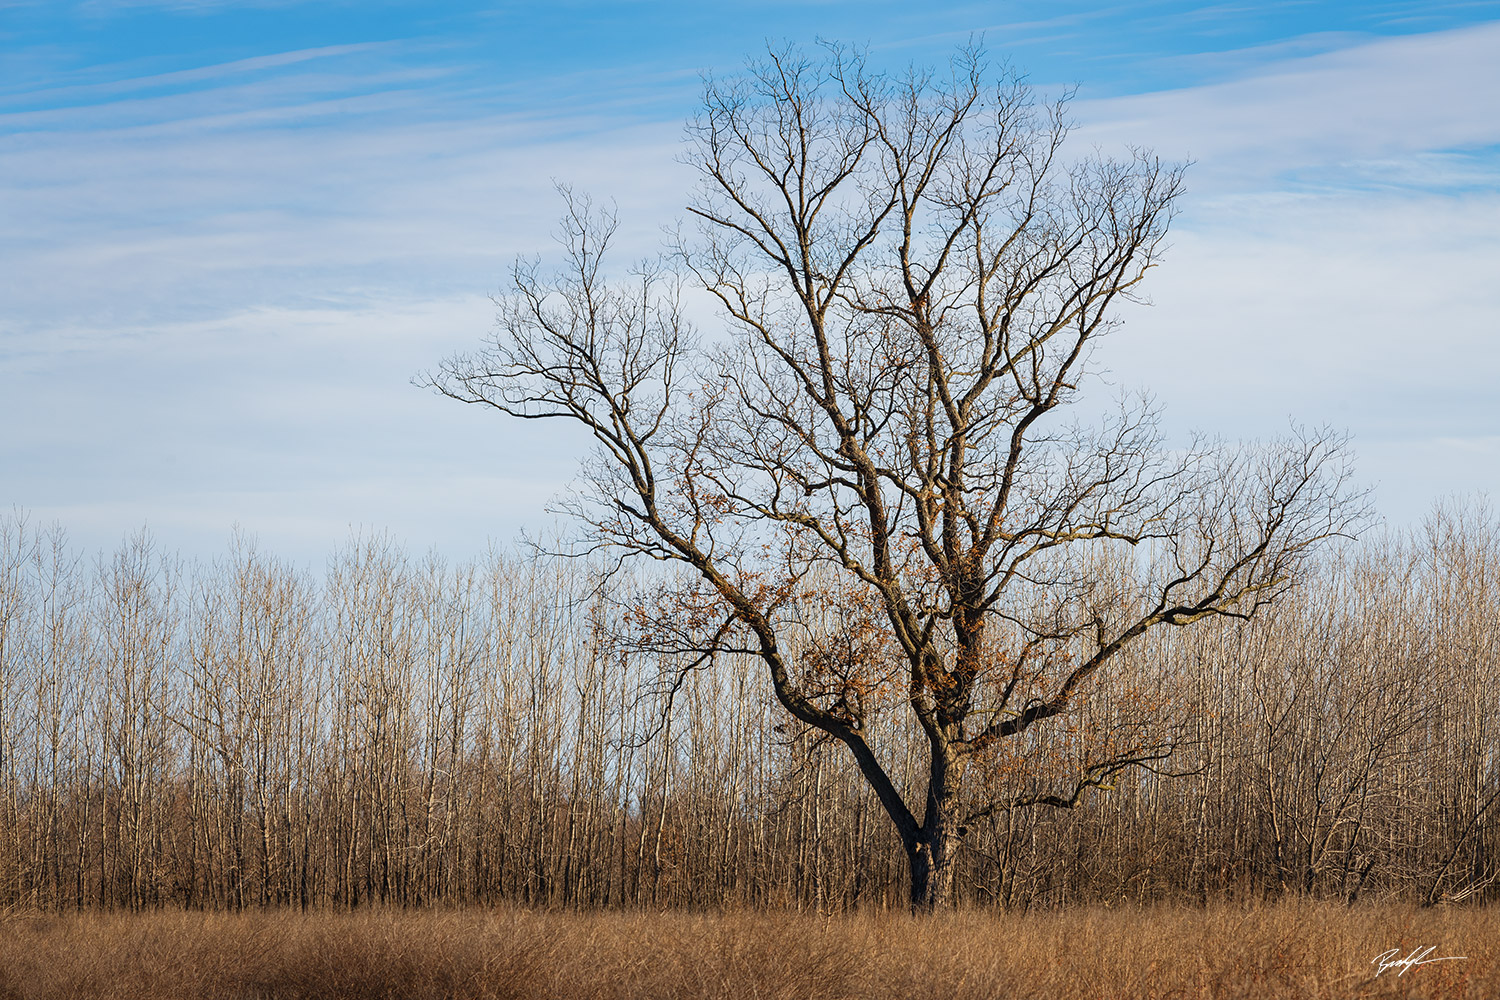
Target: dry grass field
1302,950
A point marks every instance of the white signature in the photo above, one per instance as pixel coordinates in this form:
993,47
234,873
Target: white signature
1388,959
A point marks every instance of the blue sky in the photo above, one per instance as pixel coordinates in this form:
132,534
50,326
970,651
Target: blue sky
234,231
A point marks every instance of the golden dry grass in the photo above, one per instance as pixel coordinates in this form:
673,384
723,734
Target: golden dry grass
1296,950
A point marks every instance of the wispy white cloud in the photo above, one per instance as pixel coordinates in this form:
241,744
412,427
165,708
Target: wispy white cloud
296,423
1404,95
1335,258
118,227
206,327
109,88
212,310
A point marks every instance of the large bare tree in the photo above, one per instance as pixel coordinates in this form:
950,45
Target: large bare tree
913,274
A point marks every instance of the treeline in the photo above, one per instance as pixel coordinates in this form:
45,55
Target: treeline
407,731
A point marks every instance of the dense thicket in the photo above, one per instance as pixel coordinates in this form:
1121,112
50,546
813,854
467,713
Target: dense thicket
410,731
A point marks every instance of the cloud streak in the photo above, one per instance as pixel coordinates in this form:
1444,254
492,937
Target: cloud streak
1387,98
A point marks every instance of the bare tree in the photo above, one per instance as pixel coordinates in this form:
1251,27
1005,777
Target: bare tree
474,732
913,278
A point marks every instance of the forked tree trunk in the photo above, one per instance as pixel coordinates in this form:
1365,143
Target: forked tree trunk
932,871
932,852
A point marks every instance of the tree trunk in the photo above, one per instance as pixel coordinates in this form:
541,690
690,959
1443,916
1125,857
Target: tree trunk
933,850
931,875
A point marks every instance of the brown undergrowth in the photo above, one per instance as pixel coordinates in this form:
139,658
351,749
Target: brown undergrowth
1291,950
